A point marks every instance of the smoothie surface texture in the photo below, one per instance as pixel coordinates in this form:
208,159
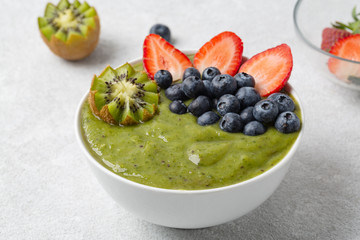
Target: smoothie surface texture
172,151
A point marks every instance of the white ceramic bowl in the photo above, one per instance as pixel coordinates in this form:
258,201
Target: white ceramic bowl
189,208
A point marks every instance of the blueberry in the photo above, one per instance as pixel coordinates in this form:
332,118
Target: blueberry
246,115
178,107
214,103
209,73
231,122
200,105
254,128
248,96
208,91
191,71
244,80
175,92
228,103
162,30
208,118
193,87
287,122
283,101
163,78
265,111
223,84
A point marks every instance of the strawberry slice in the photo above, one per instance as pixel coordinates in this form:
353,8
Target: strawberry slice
158,54
243,60
348,48
330,36
223,51
271,69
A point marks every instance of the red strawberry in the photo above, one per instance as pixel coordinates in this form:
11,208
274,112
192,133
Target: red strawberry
158,54
243,60
271,69
348,48
223,51
330,36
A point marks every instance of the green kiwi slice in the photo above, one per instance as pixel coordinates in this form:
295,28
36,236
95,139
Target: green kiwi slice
123,96
65,19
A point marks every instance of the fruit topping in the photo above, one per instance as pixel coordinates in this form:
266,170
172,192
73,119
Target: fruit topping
228,103
208,91
191,71
243,60
208,118
265,111
223,84
178,107
254,128
193,87
247,96
209,73
175,92
237,98
231,122
161,30
244,80
223,51
71,31
287,122
214,103
271,69
123,96
158,54
200,105
348,48
163,78
246,115
283,101
245,111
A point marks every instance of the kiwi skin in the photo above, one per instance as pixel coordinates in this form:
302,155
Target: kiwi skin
105,115
76,47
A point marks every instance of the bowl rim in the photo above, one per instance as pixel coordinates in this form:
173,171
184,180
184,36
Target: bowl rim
310,44
275,168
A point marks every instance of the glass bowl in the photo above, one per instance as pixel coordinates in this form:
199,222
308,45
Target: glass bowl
310,18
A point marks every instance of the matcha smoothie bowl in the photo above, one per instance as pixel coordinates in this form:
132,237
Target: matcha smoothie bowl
168,169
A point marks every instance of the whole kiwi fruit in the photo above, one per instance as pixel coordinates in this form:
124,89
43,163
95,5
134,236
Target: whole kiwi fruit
71,31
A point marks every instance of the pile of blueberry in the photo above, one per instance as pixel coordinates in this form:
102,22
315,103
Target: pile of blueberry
237,104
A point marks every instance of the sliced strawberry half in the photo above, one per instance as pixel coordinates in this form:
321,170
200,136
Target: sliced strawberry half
224,51
348,48
271,69
330,36
158,54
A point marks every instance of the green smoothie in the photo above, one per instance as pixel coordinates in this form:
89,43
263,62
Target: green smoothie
174,152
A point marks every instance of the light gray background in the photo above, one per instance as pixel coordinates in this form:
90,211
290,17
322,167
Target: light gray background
48,192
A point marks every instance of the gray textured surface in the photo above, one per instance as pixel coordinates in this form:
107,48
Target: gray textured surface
47,191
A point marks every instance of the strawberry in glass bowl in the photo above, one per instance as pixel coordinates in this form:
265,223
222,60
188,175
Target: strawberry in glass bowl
337,41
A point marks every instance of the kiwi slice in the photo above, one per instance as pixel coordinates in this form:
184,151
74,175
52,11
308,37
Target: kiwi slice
70,30
123,96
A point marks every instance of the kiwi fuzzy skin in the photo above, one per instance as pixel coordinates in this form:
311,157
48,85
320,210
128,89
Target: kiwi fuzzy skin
76,47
